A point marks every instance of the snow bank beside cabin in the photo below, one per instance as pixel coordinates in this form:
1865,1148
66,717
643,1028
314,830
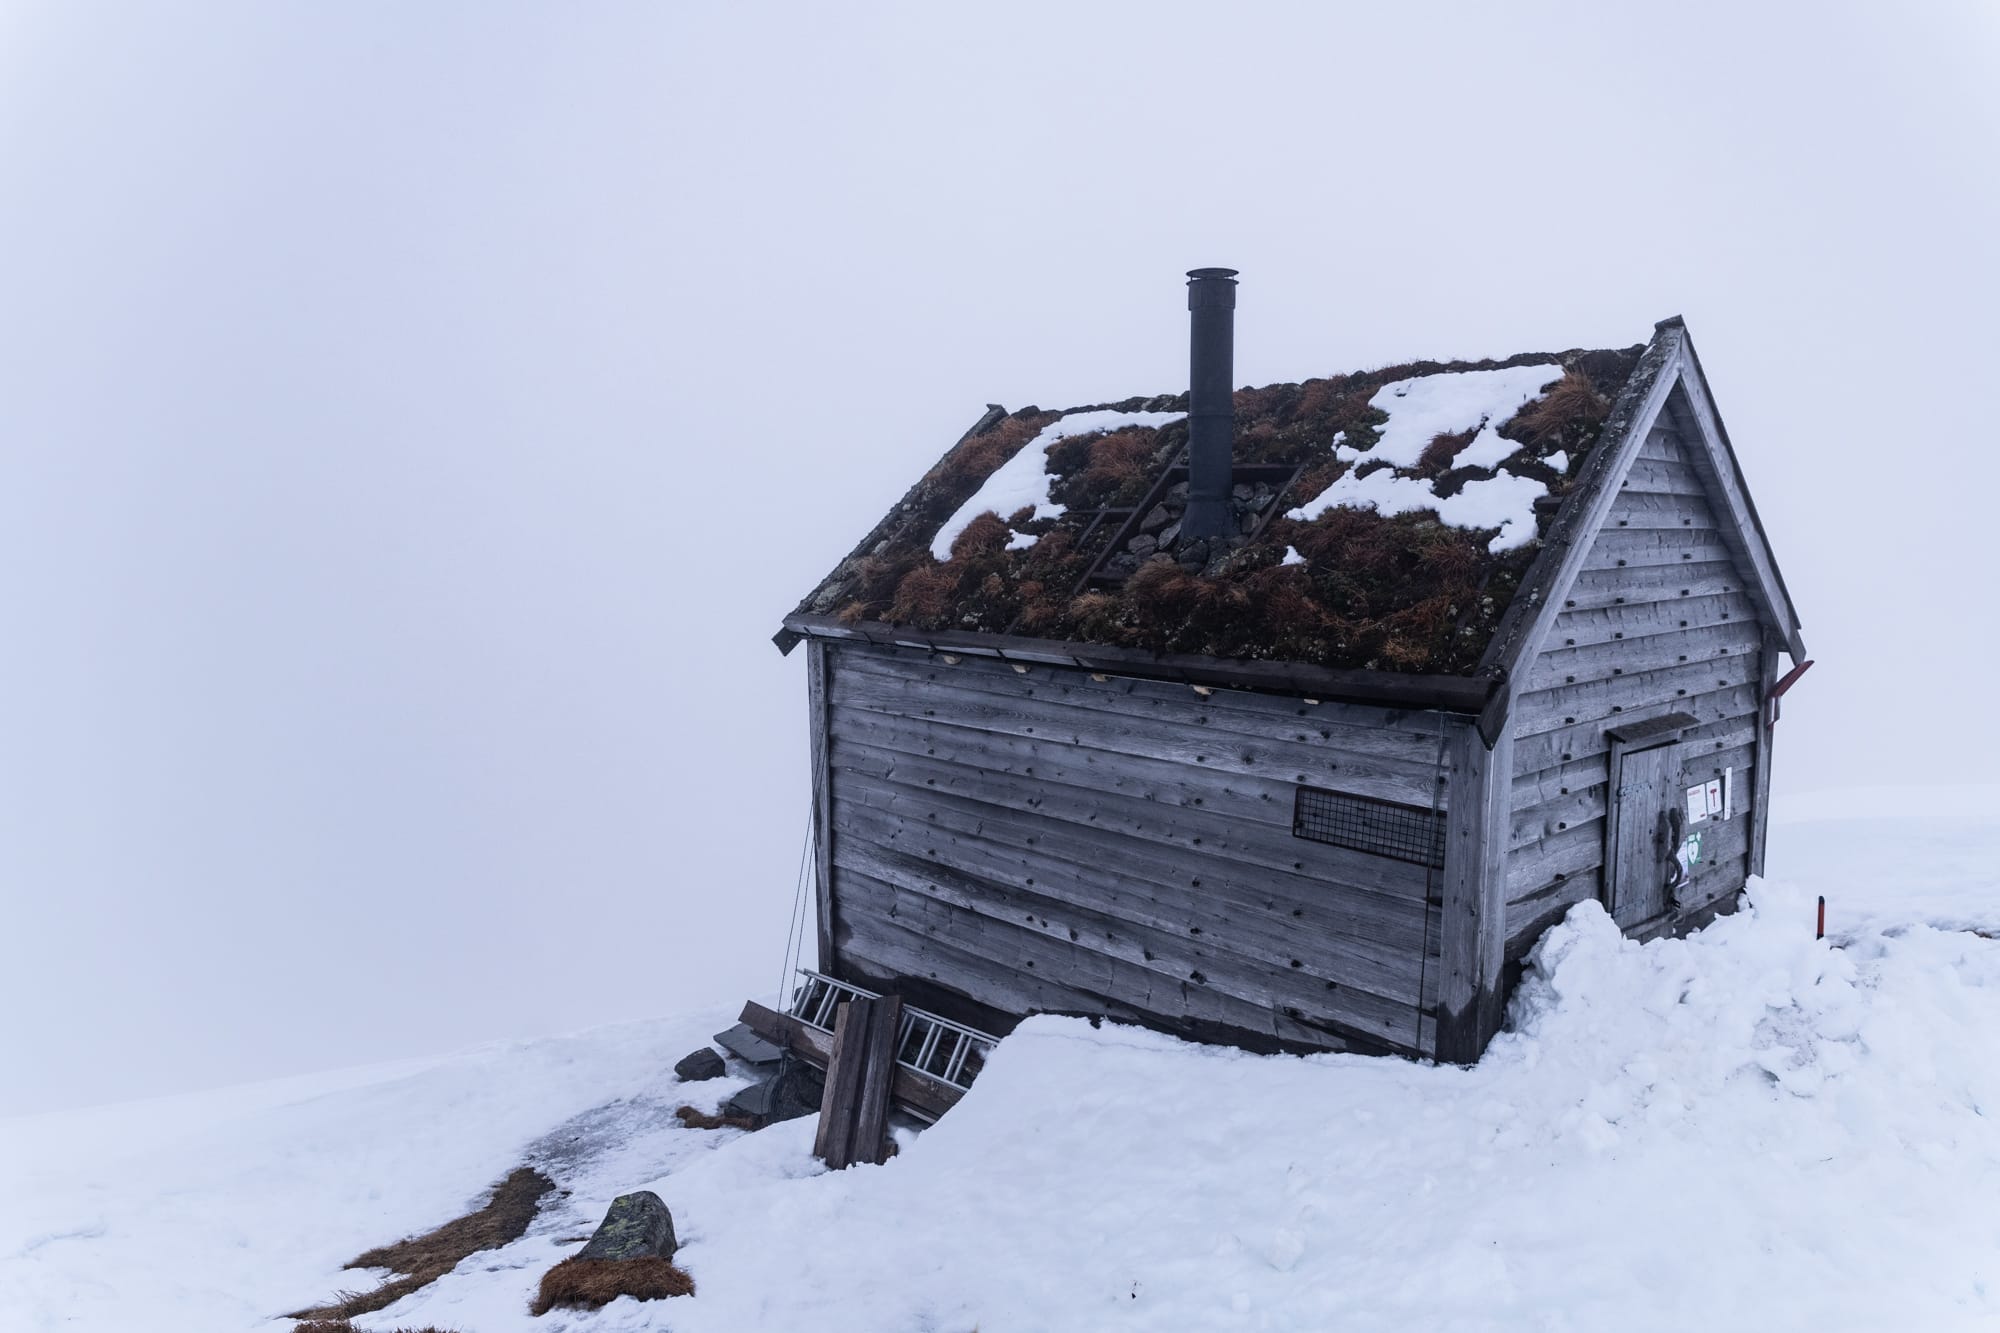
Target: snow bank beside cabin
1023,481
1748,1129
1744,1129
1424,407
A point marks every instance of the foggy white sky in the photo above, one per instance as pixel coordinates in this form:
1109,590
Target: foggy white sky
414,420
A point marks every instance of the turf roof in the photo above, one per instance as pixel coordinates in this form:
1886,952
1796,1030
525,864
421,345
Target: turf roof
1404,593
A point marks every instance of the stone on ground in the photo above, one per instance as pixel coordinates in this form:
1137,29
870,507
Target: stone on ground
699,1066
637,1226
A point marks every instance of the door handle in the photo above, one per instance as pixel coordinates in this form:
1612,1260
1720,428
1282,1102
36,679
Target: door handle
1676,874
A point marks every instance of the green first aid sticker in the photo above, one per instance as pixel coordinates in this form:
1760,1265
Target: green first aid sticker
1691,849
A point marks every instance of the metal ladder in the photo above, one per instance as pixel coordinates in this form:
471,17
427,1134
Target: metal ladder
927,1044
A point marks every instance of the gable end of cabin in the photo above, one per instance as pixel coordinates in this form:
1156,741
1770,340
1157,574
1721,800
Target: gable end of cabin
1640,771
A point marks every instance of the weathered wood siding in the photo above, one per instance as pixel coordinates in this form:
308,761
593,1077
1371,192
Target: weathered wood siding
1043,840
1661,620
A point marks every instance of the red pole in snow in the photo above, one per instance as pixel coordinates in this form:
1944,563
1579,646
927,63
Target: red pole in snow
1820,934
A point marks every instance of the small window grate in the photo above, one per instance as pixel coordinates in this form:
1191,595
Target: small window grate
1364,824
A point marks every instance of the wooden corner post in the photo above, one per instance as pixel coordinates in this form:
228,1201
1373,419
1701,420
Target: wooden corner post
818,668
1473,915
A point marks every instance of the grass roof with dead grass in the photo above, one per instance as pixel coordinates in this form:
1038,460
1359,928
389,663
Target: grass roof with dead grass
1404,593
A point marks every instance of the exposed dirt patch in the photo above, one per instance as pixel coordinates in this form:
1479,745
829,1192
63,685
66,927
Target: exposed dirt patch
586,1284
422,1260
694,1119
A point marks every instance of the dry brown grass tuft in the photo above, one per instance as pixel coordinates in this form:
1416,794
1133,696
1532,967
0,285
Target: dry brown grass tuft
1437,455
984,535
1120,467
960,471
925,596
586,1284
422,1260
694,1119
1572,407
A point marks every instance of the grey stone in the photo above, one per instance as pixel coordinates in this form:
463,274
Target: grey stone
793,1091
637,1226
1178,491
746,1045
1155,519
1240,491
700,1066
1170,534
1142,545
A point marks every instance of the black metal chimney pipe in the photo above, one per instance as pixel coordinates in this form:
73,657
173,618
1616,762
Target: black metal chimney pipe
1211,403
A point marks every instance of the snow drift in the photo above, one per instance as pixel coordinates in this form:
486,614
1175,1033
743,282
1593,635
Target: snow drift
1745,1129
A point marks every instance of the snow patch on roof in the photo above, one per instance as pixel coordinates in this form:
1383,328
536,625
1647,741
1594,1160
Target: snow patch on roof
1023,480
1424,407
1502,501
1427,406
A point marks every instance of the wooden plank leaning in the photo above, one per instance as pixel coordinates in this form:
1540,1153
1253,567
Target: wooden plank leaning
833,1143
871,1120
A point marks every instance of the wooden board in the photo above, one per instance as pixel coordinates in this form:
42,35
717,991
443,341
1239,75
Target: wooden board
1303,721
833,1142
822,810
1204,847
1473,912
986,953
871,1118
1639,620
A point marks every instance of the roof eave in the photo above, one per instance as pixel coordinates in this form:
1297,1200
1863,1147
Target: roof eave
1708,418
1468,695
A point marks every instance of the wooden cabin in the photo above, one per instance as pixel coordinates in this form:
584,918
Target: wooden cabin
1291,716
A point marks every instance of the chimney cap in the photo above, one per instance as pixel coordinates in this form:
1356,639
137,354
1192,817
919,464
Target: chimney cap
1202,274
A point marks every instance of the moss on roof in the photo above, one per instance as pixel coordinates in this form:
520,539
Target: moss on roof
1396,593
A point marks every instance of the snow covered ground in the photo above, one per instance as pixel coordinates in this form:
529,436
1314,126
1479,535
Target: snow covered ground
1742,1130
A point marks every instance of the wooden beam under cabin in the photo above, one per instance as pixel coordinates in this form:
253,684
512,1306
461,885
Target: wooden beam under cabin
929,1098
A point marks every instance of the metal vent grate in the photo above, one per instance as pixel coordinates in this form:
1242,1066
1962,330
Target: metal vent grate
1364,824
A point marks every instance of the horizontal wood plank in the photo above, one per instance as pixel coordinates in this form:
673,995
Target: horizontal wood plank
1253,969
1724,719
1644,548
1059,854
1150,738
1568,705
1204,842
1640,620
900,934
1119,901
1393,733
1607,661
1653,476
1625,587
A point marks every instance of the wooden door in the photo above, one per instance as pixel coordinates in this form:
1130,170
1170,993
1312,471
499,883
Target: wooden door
1645,832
